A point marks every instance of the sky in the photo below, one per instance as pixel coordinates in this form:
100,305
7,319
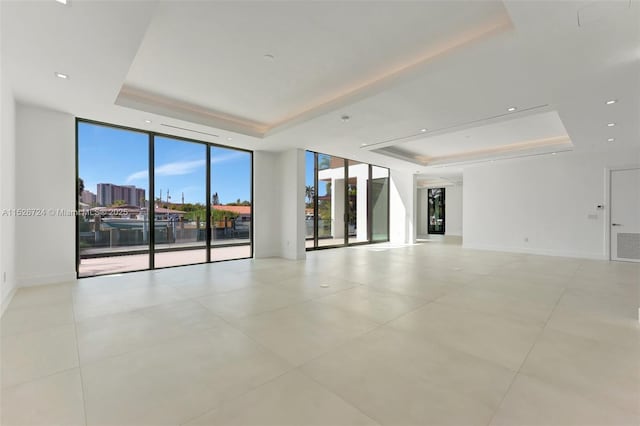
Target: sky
118,156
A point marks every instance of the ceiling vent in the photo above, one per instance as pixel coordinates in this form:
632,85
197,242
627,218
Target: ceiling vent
189,130
601,10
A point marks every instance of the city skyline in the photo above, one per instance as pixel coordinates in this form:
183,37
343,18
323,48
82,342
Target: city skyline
89,197
121,157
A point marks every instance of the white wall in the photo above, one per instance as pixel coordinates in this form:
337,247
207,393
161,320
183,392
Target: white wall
545,199
266,204
279,228
7,194
292,216
453,210
45,179
402,207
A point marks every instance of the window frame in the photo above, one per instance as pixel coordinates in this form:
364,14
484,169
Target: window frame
151,249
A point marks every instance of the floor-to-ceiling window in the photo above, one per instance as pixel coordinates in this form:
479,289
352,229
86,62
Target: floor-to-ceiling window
147,200
330,210
113,198
180,200
231,206
379,203
310,198
347,202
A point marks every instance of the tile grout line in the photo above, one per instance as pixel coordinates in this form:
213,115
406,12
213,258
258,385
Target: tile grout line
82,389
251,388
338,395
169,339
297,368
222,403
515,376
346,343
45,376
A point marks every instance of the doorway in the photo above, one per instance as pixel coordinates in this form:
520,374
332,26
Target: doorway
436,211
625,215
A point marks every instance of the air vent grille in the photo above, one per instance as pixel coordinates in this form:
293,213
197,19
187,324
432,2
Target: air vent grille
629,246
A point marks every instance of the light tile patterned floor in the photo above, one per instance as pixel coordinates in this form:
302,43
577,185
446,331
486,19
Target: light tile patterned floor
408,335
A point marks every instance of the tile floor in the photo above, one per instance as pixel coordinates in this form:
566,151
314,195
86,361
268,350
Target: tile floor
427,334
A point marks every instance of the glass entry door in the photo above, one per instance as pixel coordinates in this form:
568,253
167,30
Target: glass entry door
436,211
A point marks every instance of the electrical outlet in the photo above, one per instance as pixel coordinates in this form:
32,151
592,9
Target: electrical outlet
526,239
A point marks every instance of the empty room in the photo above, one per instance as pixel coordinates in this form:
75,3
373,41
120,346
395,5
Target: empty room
326,213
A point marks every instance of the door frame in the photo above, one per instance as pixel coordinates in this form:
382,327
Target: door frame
444,211
607,211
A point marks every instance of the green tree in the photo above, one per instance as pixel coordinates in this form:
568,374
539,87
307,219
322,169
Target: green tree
80,186
324,162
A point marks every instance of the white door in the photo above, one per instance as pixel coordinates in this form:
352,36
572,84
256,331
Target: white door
625,215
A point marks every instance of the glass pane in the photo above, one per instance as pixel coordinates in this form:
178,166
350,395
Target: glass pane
357,201
309,195
231,204
180,202
113,179
330,200
112,198
379,203
436,210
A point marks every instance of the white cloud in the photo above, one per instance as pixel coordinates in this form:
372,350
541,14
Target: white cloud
216,159
170,169
142,174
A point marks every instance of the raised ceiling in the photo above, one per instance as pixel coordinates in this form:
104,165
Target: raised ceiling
514,134
255,67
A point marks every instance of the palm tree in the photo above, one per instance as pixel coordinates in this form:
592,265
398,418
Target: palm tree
309,193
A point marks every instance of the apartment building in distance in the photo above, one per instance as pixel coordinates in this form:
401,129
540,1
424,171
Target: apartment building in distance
88,197
109,193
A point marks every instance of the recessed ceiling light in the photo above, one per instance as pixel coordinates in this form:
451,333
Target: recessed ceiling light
511,109
269,57
61,75
65,2
229,138
553,153
611,101
363,144
611,139
423,130
611,124
147,121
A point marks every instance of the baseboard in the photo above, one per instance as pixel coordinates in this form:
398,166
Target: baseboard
540,252
7,300
35,280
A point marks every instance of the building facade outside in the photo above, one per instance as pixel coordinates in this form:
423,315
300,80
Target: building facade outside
89,198
109,193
